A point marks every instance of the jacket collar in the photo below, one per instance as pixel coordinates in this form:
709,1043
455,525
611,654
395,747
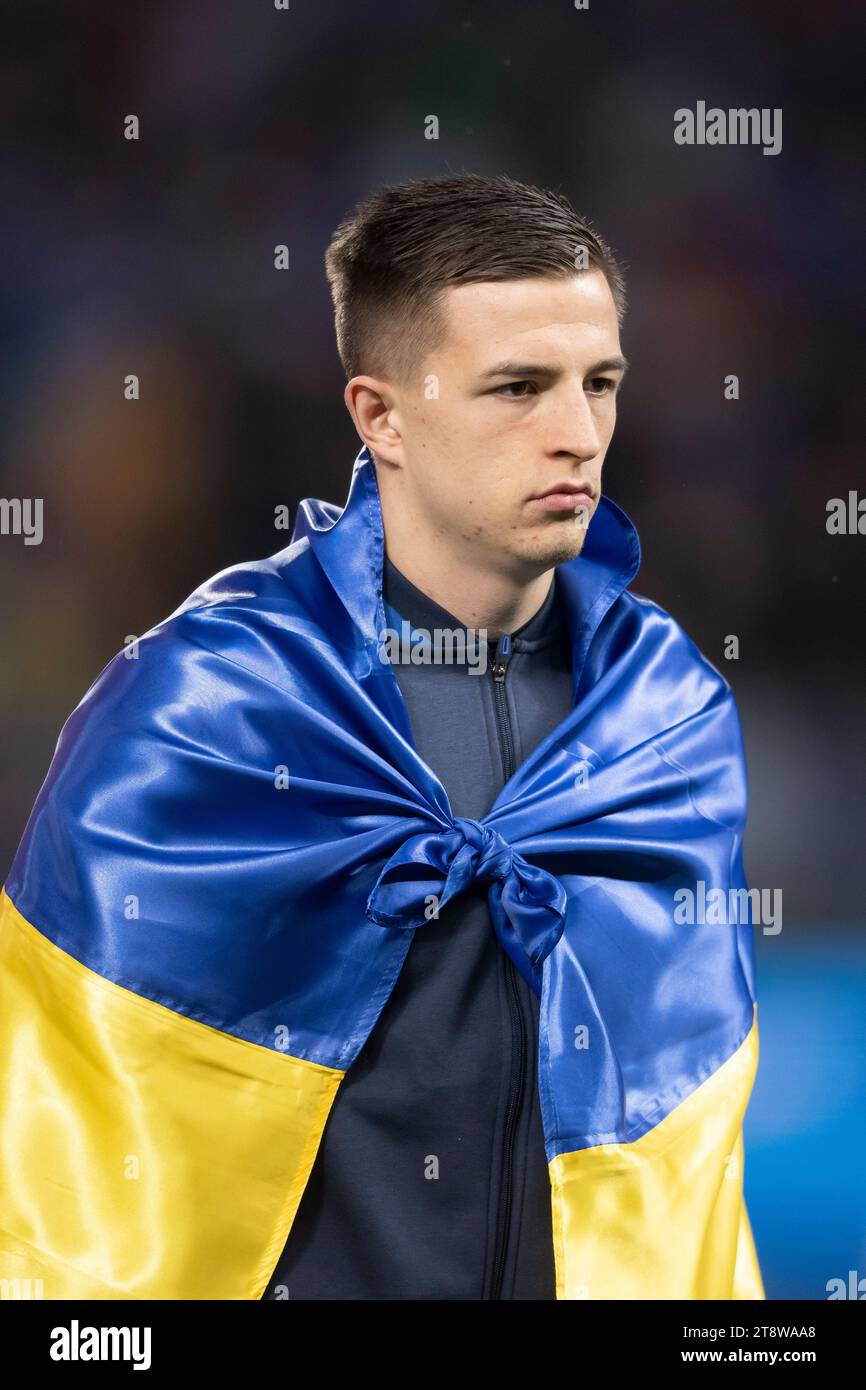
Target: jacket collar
349,544
405,602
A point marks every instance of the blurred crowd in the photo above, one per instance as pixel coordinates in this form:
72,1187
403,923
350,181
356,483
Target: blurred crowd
261,126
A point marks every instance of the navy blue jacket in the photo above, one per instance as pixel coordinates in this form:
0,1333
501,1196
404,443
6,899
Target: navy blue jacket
431,1180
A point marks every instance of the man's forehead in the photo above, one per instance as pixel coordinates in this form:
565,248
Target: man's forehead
487,315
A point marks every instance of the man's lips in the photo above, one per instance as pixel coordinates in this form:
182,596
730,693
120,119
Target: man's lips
564,498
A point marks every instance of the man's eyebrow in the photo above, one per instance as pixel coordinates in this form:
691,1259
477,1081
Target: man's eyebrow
610,364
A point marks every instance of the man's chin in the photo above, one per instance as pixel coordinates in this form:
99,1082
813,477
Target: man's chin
554,546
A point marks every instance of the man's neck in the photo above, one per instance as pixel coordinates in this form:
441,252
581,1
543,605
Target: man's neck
478,598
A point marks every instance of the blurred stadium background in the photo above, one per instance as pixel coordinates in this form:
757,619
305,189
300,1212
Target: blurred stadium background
261,126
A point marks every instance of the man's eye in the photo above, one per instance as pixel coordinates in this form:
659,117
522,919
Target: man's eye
514,387
600,385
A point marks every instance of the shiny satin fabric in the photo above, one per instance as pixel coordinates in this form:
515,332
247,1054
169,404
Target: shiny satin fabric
144,1155
663,1217
237,827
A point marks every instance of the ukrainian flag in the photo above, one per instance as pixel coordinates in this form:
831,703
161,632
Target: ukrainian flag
191,958
156,1126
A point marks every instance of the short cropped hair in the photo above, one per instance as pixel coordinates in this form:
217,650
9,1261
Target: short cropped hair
390,260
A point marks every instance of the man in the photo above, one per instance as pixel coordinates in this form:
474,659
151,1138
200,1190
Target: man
371,965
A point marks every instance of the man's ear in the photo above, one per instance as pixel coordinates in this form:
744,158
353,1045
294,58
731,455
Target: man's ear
370,402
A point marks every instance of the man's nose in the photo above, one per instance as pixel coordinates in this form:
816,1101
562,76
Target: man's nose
573,429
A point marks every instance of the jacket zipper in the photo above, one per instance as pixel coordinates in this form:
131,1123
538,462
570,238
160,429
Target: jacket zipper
518,1026
503,723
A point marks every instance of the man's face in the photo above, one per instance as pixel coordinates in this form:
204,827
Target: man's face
527,379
